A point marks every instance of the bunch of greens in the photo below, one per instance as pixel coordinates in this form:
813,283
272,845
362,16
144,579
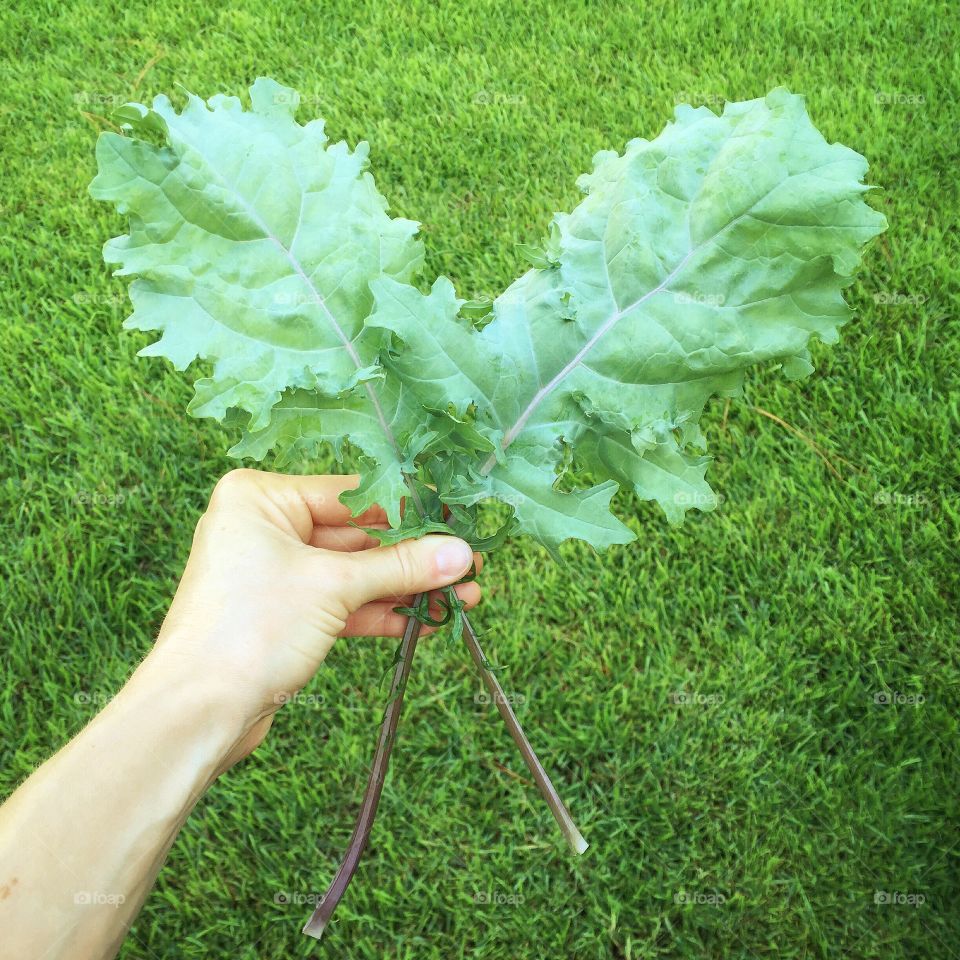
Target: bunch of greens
268,254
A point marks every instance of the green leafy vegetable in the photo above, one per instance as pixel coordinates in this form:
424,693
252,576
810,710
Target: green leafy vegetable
268,255
255,243
723,243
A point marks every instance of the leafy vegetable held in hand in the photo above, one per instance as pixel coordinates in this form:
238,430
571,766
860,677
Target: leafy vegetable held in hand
255,244
724,242
268,254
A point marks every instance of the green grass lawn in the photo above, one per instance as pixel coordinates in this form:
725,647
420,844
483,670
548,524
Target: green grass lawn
705,697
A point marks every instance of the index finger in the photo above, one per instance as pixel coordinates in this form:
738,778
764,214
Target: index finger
304,502
320,494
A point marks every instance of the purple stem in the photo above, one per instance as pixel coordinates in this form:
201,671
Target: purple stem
371,798
547,789
378,771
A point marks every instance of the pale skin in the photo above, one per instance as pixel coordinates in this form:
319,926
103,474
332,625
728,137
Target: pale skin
274,577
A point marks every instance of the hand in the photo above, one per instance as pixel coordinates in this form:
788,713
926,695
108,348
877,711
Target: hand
275,575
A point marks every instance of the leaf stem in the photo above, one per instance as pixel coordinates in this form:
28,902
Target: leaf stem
543,781
371,798
388,729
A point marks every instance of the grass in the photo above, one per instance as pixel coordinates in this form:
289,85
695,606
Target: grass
712,721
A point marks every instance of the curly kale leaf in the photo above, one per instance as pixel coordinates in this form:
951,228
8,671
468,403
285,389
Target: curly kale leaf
723,243
254,243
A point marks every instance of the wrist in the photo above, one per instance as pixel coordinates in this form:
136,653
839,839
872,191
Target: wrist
199,711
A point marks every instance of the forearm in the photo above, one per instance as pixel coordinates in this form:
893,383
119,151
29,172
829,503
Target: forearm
81,841
275,574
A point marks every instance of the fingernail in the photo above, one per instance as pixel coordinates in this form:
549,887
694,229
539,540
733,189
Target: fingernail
453,557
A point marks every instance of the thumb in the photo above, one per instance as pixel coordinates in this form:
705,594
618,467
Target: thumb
410,566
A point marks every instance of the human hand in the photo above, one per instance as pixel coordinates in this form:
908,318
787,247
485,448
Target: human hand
275,575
